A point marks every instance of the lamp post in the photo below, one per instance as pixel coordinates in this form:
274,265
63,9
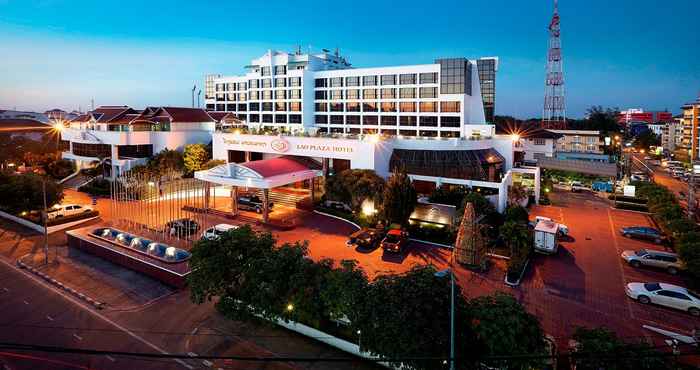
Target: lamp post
443,273
46,229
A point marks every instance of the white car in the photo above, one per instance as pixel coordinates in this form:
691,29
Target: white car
65,210
216,231
577,186
663,294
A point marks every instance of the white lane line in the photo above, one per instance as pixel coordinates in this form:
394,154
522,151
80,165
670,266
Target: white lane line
207,363
49,318
5,289
98,315
25,302
78,337
110,358
619,263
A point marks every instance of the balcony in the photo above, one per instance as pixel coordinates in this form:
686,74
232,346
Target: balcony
107,137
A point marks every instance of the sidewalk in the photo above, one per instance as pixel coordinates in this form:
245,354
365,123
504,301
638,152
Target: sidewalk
117,287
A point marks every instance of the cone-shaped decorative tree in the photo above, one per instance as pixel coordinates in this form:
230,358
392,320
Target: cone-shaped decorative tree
470,248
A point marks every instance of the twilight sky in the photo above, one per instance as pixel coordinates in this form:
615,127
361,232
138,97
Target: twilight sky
625,53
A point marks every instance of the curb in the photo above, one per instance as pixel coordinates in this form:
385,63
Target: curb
337,217
97,304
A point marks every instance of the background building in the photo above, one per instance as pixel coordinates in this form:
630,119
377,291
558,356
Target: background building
690,117
579,141
672,135
639,115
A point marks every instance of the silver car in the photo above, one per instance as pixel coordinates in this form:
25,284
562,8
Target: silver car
663,294
645,257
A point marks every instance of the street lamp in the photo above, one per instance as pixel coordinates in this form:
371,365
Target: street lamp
443,273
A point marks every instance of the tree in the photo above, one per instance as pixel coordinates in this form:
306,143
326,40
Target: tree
408,316
343,291
27,193
503,327
516,193
212,163
353,186
194,157
399,199
516,214
646,139
517,238
600,348
60,168
166,162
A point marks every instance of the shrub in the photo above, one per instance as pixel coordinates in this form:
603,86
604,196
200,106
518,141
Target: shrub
24,192
97,186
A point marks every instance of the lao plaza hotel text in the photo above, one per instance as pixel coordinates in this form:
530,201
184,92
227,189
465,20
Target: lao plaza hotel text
293,117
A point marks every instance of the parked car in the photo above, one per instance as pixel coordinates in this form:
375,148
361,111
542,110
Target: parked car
65,210
577,186
645,257
182,226
339,206
252,203
643,232
663,294
216,231
365,238
395,241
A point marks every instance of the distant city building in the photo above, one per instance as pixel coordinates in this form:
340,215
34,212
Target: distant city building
672,135
15,114
537,144
690,119
657,128
303,92
639,115
127,137
579,141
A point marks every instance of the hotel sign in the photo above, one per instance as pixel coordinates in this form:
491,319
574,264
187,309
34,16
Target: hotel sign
306,146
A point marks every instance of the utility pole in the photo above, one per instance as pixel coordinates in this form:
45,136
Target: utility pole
199,97
691,194
193,89
46,229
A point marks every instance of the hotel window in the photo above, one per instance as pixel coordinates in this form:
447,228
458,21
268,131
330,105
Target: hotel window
254,95
336,120
370,120
295,118
280,82
407,79
353,130
242,86
321,119
428,92
295,107
280,70
320,82
254,84
407,107
336,107
428,106
242,107
266,94
407,132
407,93
321,107
369,80
280,118
336,82
231,97
369,93
369,107
429,78
352,94
539,141
266,83
353,107
242,97
389,132
280,94
428,133
267,118
267,107
265,71
280,107
389,80
254,117
408,121
336,94
388,120
231,87
352,81
449,134
449,106
229,108
294,81
388,93
219,87
449,122
388,107
455,76
352,120
255,106
295,94
321,95
221,107
429,121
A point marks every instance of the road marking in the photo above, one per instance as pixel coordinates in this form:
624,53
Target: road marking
194,331
96,314
25,302
110,358
191,354
5,289
49,318
619,263
78,337
207,363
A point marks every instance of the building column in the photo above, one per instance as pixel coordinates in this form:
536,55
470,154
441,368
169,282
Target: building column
266,205
325,162
115,157
247,156
537,185
234,200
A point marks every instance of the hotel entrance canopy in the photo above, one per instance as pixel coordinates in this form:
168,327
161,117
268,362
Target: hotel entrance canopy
263,174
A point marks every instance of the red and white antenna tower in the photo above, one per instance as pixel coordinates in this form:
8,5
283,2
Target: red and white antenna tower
554,113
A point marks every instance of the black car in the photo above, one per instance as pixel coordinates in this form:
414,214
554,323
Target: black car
183,226
365,238
252,203
643,232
